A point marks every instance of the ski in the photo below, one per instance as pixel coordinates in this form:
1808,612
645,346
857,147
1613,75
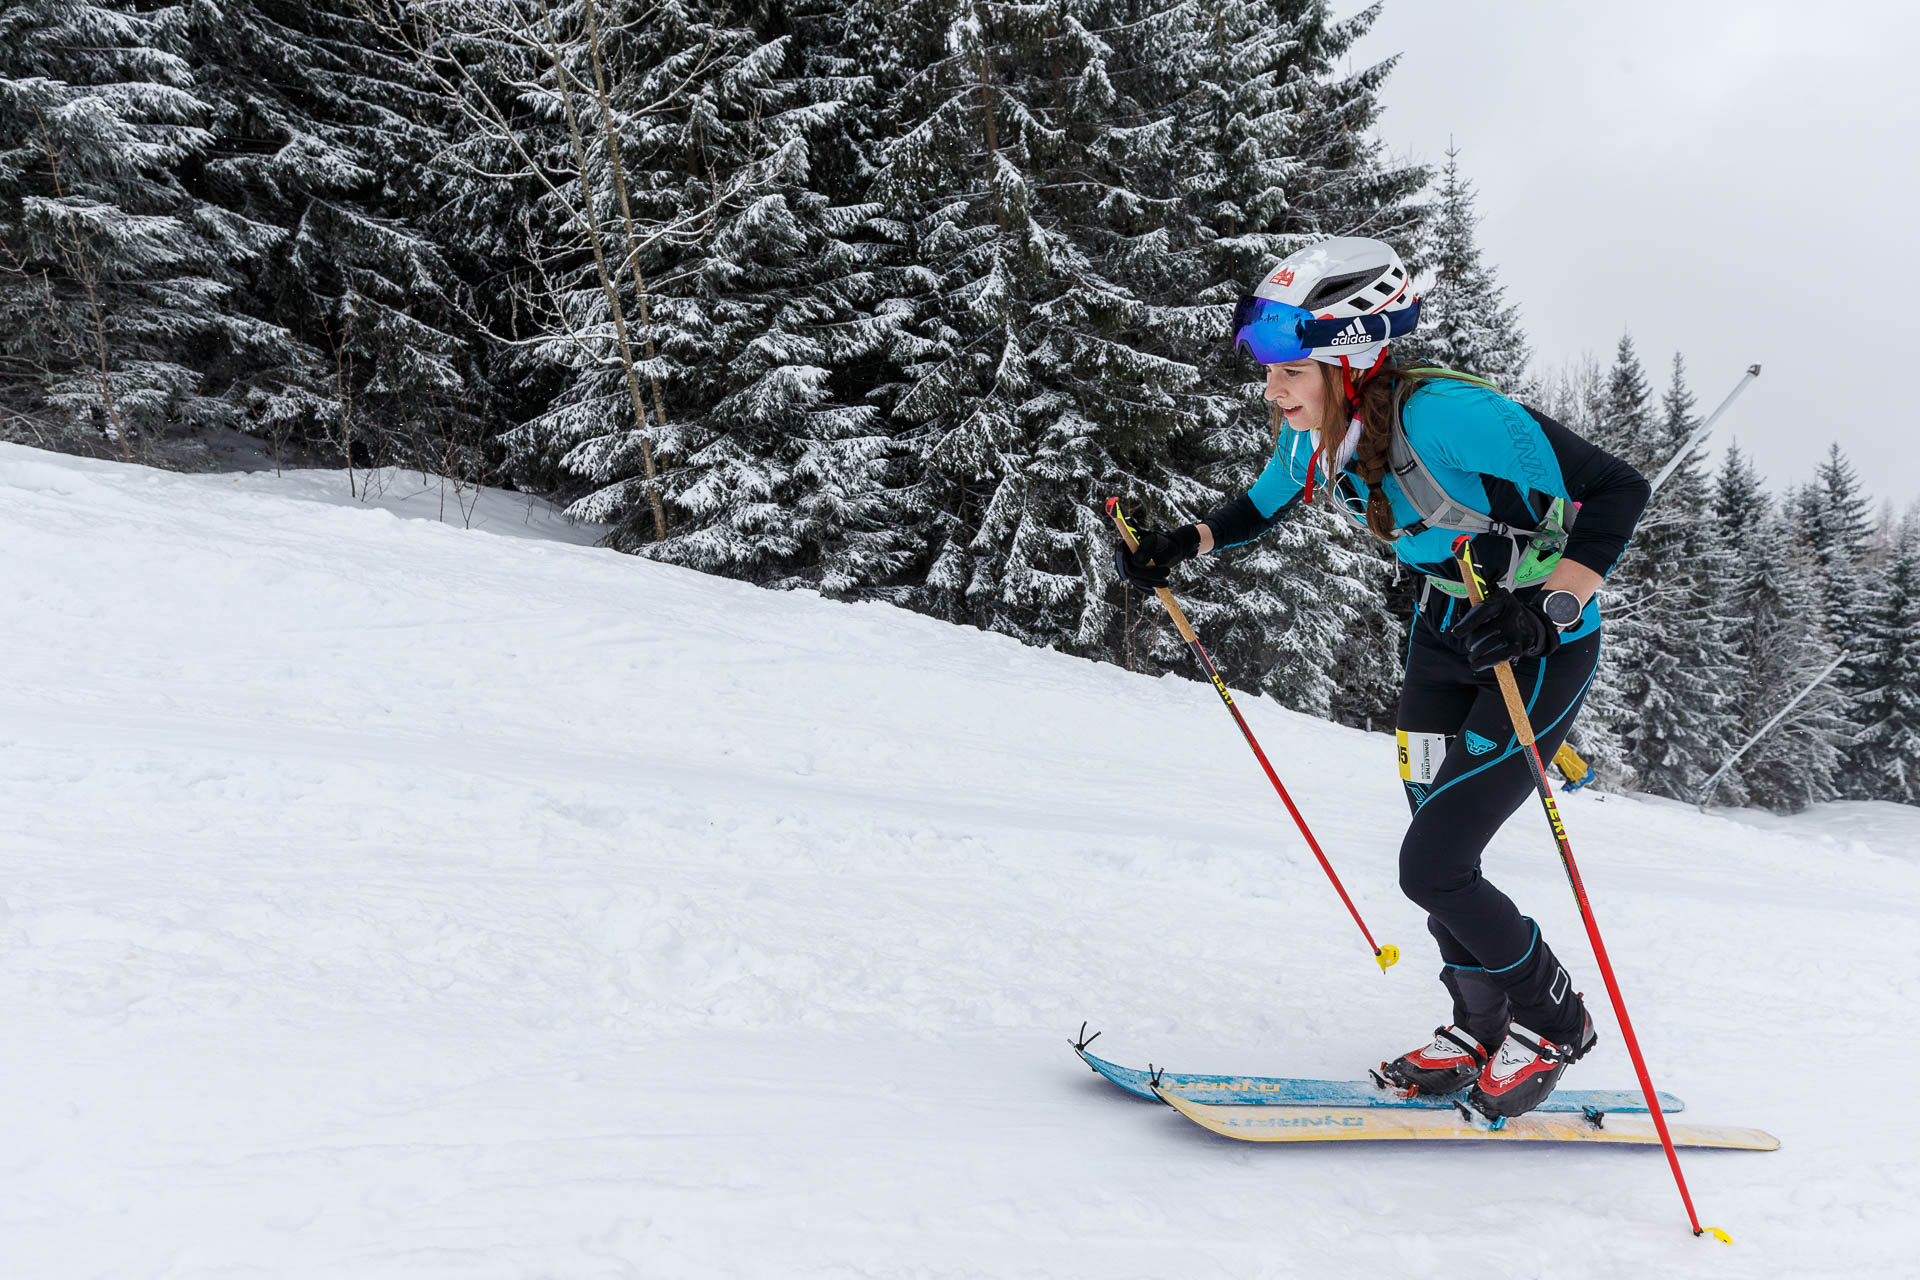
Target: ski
1281,1091
1370,1124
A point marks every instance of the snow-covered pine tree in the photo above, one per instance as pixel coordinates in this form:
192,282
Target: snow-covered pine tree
323,134
113,275
1670,708
1621,419
1033,168
1276,155
1626,423
1466,322
780,473
686,280
1572,395
1835,513
1778,644
1887,757
852,468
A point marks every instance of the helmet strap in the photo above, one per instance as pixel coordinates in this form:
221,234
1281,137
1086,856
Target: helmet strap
1355,386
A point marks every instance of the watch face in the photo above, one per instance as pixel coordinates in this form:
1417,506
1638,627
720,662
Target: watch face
1561,607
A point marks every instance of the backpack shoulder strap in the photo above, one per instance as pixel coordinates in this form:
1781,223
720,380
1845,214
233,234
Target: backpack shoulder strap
1437,508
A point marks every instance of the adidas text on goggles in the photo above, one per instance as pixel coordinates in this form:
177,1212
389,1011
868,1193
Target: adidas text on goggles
1278,332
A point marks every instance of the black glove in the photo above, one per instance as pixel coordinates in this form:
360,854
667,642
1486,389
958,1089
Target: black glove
1148,564
1500,629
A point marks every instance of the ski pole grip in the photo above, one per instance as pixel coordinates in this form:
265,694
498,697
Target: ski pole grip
1166,597
1502,671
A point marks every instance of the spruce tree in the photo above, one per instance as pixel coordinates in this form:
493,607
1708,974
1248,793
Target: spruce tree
1466,322
1670,708
1276,154
1837,527
323,133
1887,757
1029,387
1625,422
1835,512
778,472
689,286
113,274
1777,643
1622,421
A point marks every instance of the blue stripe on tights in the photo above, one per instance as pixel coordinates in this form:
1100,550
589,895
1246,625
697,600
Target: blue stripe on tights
1514,743
1523,959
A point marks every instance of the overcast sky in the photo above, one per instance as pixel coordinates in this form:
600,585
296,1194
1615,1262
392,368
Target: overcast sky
1732,179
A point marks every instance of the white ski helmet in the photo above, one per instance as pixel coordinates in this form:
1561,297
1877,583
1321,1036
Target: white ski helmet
1345,278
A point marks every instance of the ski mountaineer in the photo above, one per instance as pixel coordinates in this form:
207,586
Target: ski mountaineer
1420,457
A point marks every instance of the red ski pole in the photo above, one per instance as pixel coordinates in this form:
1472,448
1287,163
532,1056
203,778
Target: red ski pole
1383,956
1523,730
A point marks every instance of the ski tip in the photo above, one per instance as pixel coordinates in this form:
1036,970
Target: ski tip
1716,1233
1387,957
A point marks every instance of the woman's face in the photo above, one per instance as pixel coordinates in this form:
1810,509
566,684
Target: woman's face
1300,391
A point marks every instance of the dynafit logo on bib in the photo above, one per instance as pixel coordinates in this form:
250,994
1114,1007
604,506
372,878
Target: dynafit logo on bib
1283,276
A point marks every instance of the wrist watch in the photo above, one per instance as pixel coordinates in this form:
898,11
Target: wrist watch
1562,608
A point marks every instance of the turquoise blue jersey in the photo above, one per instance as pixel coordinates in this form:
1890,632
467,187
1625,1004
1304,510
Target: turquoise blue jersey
1489,453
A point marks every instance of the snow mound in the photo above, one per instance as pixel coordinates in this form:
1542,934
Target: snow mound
384,897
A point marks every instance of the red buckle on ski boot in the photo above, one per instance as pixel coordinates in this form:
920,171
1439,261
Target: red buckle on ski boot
1449,1064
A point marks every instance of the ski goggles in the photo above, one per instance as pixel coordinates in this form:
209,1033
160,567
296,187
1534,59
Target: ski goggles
1278,332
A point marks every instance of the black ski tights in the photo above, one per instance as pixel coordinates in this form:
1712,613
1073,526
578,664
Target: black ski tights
1465,774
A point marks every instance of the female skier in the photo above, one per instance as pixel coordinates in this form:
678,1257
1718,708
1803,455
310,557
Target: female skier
1420,458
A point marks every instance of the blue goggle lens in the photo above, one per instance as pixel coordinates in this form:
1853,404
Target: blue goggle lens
1271,332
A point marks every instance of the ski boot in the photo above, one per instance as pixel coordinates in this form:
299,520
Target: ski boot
1528,1066
1452,1062
1459,1052
1526,1070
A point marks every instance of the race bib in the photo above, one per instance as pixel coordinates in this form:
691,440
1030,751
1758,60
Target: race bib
1421,755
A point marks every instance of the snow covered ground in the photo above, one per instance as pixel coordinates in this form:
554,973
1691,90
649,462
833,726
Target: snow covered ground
381,897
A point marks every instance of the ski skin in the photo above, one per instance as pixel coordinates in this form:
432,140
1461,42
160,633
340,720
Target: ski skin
1280,1091
1369,1124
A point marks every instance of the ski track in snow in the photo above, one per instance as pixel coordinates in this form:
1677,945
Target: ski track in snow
383,897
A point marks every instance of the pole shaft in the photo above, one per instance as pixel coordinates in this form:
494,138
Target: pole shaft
1273,777
1188,634
1503,672
1700,432
1706,791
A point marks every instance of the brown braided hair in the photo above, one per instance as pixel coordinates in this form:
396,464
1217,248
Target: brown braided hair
1375,411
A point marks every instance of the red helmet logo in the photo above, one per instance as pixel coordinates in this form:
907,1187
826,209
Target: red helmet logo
1283,276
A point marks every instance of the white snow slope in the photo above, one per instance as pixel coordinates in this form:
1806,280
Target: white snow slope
382,898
